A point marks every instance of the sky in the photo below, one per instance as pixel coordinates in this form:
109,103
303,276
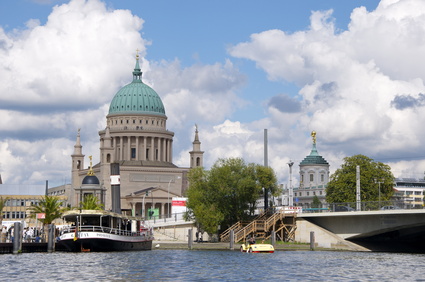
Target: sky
350,70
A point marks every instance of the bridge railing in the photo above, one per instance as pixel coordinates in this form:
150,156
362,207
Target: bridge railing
166,218
364,206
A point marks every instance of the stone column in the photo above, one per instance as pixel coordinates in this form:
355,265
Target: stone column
152,153
164,149
167,148
162,209
144,149
121,149
171,151
129,148
114,146
133,208
137,148
159,149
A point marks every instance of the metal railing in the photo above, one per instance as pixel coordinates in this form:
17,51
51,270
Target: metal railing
364,206
103,229
165,218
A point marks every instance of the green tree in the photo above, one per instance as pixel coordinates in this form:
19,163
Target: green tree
342,185
2,205
316,202
228,192
91,202
50,206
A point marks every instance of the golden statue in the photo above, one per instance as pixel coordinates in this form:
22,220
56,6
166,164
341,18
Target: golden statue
90,172
313,134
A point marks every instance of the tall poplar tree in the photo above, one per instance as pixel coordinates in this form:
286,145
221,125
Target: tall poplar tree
342,185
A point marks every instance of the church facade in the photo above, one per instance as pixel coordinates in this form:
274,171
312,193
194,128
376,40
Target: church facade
136,172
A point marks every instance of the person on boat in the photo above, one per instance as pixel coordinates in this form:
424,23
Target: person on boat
251,240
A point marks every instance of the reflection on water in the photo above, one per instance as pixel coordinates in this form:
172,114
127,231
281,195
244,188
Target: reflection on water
185,265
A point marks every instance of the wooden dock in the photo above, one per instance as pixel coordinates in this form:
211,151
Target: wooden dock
7,248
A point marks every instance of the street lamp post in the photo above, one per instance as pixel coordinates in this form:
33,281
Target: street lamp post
291,192
379,191
168,201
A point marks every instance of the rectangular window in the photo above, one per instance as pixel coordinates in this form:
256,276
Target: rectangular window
311,177
322,177
308,193
133,153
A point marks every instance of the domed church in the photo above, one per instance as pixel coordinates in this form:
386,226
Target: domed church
136,174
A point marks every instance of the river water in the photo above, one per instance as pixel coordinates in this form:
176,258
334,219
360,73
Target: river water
196,265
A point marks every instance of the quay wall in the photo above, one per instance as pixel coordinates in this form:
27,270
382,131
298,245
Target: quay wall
323,237
178,232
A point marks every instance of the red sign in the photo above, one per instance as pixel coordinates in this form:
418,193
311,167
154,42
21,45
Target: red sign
40,215
179,203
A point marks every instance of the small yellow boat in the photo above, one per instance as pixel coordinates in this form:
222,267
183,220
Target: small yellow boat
257,248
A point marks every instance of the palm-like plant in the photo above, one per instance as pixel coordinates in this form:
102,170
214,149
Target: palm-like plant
50,206
91,202
2,205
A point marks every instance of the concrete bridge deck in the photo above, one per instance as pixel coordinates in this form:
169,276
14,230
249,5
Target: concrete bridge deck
383,230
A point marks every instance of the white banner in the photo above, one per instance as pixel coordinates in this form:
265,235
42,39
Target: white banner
115,180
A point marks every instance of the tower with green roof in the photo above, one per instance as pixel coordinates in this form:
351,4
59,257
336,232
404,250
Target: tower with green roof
314,176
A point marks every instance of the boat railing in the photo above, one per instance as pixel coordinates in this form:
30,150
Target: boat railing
103,229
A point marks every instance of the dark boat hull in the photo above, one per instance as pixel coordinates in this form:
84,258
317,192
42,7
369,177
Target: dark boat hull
104,245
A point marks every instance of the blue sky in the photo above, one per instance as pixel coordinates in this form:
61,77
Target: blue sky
346,69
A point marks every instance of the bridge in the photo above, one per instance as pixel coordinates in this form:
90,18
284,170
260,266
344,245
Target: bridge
380,230
398,230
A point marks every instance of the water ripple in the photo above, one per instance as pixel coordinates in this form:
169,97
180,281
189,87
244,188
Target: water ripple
195,265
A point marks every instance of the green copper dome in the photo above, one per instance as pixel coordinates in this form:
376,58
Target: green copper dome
314,158
137,98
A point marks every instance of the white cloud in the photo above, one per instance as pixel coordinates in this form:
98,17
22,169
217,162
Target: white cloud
59,77
210,87
349,81
62,75
68,62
